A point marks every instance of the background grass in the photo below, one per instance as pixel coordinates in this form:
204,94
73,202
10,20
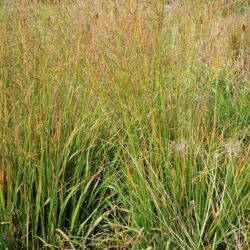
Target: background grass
124,125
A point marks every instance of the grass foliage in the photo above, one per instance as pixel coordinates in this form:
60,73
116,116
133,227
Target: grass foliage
124,124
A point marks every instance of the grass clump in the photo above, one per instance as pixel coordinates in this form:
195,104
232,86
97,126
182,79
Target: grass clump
124,125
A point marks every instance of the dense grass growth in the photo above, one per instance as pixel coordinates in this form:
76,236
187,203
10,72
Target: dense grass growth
124,124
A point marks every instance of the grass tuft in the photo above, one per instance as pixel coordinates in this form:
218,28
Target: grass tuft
124,124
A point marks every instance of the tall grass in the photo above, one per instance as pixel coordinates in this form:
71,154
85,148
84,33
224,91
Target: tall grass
124,125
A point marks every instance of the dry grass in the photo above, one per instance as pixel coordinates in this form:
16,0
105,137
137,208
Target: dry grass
124,124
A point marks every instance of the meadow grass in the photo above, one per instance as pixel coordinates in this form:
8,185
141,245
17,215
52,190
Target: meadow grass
124,124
